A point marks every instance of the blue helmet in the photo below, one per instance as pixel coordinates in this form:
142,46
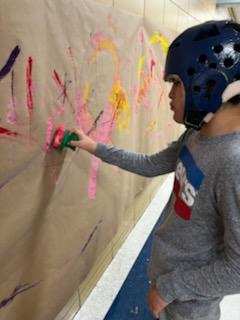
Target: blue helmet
206,57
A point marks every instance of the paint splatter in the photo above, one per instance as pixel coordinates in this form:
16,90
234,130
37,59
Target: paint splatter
10,62
18,290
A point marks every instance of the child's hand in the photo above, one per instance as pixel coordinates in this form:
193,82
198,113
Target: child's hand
84,141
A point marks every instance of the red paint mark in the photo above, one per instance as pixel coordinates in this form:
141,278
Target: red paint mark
59,82
141,36
29,87
70,52
153,64
58,136
8,132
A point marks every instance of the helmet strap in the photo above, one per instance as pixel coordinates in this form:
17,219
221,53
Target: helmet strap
208,117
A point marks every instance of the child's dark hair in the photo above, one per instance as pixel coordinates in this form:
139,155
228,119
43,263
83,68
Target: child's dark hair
235,100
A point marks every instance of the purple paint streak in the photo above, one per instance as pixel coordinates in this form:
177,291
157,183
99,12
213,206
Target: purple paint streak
10,62
90,237
18,290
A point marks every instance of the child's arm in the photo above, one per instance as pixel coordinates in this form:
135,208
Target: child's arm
146,165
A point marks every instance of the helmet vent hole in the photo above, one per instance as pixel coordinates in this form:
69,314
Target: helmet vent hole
218,48
202,58
237,47
210,84
213,65
228,62
191,71
237,76
197,89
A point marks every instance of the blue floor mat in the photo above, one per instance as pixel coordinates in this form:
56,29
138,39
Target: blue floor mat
131,301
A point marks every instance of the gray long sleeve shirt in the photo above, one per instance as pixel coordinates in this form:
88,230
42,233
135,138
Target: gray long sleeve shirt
195,258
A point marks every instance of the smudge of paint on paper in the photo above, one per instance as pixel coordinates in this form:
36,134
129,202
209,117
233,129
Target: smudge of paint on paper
118,100
18,290
10,62
158,38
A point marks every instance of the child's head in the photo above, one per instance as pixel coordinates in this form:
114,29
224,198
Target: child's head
205,59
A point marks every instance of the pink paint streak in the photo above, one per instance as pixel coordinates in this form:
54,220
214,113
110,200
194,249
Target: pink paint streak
60,84
103,135
96,39
11,116
82,116
49,130
141,36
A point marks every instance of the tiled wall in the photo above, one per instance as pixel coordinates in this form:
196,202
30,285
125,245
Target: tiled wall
176,15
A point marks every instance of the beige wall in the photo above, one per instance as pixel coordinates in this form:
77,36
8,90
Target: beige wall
176,15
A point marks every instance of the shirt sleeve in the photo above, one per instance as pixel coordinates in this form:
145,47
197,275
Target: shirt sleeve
145,165
222,276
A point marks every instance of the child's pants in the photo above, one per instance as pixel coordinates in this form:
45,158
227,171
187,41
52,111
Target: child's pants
213,315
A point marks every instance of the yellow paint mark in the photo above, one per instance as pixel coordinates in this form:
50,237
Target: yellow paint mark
151,126
156,38
86,92
119,102
144,88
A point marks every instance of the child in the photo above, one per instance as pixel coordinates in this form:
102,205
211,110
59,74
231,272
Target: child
195,258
